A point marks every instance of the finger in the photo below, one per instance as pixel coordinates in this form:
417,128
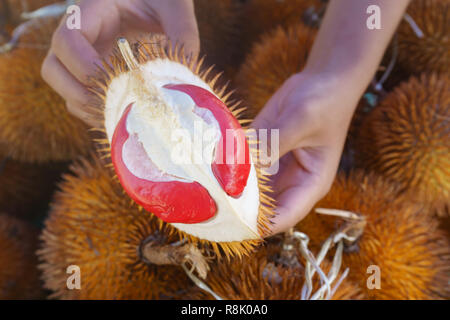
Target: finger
77,109
265,118
294,203
76,53
180,24
296,191
302,183
269,119
75,47
67,86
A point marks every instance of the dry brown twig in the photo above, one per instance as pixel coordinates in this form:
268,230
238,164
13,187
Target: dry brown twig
30,19
347,234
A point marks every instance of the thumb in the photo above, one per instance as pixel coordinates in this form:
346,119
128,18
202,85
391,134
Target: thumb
297,191
180,25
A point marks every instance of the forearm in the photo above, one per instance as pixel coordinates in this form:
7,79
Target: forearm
345,49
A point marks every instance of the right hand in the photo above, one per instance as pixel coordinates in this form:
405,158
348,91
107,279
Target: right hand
74,54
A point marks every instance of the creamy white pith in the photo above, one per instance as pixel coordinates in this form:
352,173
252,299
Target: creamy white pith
158,119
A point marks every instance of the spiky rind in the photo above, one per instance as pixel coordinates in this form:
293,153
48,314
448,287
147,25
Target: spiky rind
262,16
412,254
19,276
219,32
432,51
150,50
406,138
279,55
93,226
13,9
26,188
347,159
258,277
35,125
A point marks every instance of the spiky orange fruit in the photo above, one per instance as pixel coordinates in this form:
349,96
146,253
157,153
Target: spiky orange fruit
262,16
277,56
14,8
35,125
94,226
150,104
411,252
429,51
406,139
25,189
219,32
260,278
19,276
365,105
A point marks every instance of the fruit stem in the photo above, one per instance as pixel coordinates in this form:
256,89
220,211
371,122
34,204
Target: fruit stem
178,255
127,54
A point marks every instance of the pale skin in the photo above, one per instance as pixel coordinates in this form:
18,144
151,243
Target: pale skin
312,109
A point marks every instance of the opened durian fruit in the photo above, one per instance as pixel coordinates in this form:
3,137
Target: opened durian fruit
152,102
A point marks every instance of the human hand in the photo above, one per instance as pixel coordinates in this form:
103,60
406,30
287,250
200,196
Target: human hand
74,54
313,113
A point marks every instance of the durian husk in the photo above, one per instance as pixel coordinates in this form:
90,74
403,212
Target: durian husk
277,56
26,189
153,49
19,275
13,9
262,16
35,125
219,33
260,277
431,53
406,139
93,225
413,254
347,159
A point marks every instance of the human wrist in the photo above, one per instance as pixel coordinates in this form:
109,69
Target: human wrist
343,91
355,75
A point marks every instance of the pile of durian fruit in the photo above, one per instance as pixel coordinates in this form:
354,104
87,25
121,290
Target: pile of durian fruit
61,206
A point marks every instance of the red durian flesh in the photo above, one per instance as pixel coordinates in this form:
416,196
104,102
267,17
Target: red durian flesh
171,201
231,171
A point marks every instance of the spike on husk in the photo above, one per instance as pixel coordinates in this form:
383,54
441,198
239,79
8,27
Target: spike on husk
19,276
262,16
93,226
406,139
261,277
35,125
405,243
424,44
277,56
